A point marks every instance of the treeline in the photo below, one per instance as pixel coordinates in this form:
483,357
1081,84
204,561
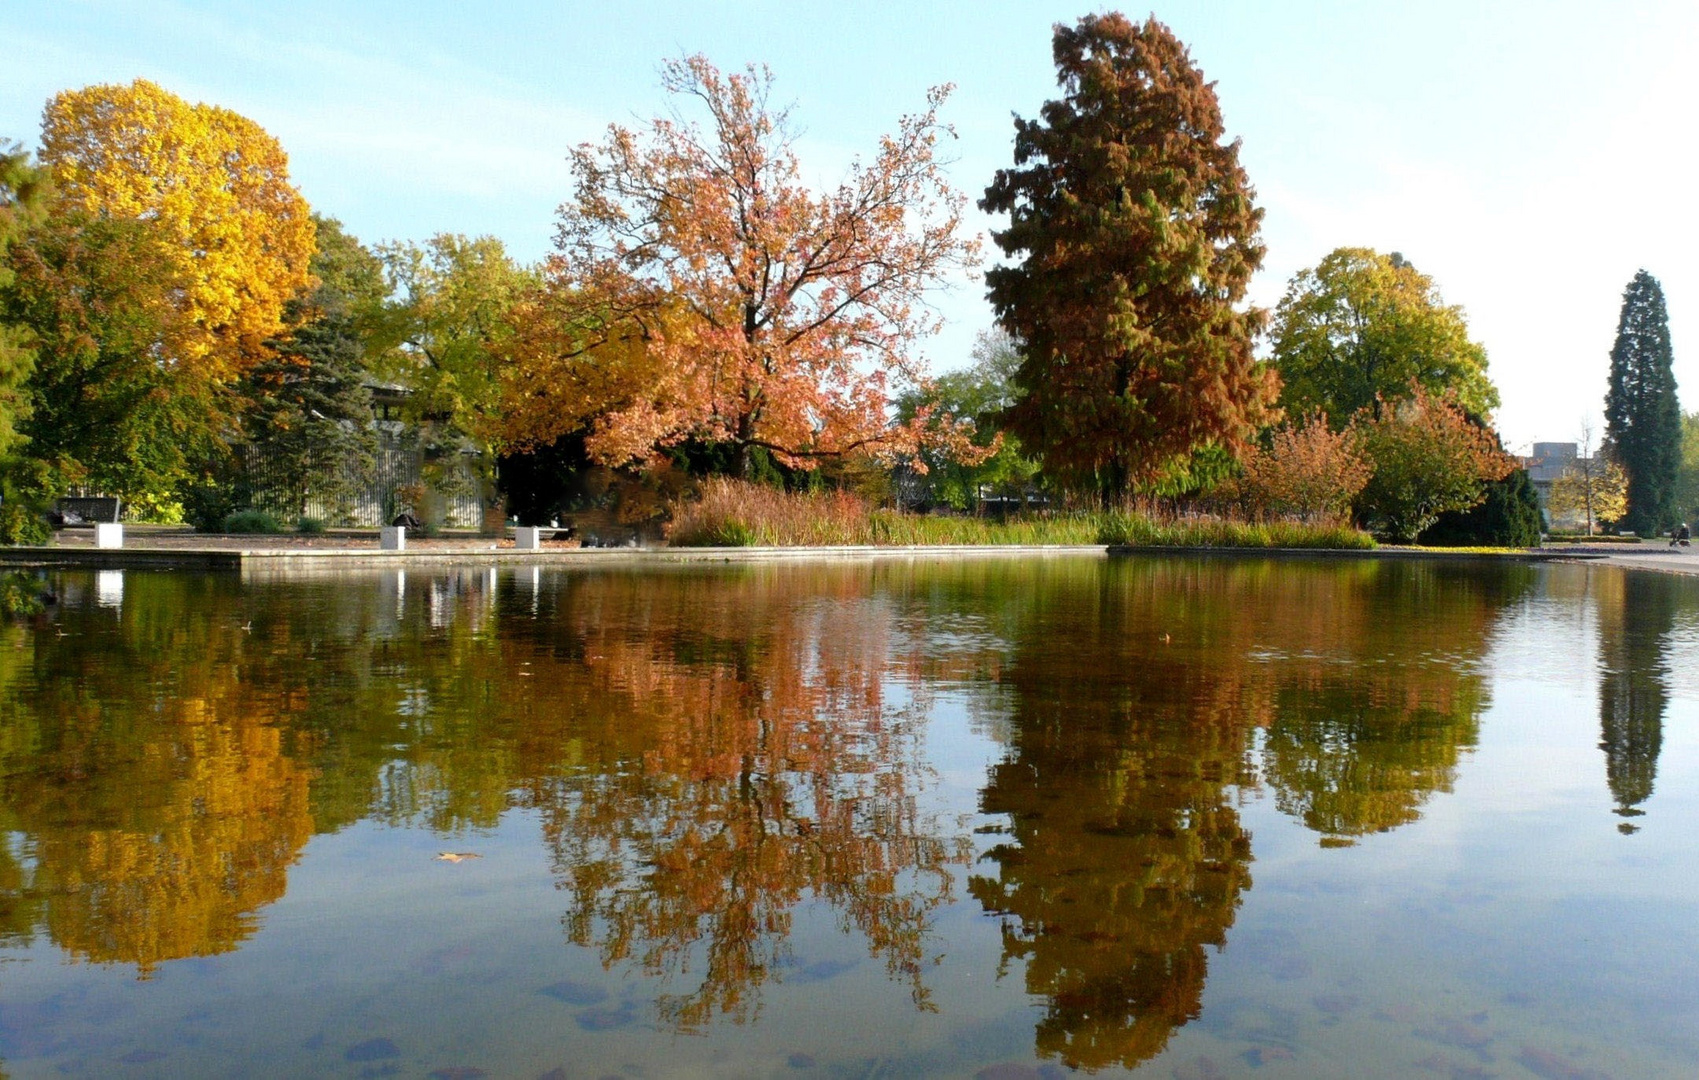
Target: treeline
171,307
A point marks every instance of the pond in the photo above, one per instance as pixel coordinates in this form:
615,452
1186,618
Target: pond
961,817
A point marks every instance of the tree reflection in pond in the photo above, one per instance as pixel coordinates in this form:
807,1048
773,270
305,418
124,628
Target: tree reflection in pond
1636,613
710,752
156,821
1378,692
739,755
1134,708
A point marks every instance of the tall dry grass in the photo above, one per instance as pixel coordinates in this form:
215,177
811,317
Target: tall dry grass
732,513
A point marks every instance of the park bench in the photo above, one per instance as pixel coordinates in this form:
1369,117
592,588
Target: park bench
86,510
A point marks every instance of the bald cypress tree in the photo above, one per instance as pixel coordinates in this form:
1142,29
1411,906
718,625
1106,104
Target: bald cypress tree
1135,234
1642,415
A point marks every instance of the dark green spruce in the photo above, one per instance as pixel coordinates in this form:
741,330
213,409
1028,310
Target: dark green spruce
311,440
1642,415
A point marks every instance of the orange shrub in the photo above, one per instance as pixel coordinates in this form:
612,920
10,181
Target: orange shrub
1308,472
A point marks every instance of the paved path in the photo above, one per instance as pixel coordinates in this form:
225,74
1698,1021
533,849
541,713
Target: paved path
1657,556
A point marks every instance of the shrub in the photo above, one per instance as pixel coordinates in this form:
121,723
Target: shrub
1428,459
1508,517
23,525
1142,530
27,490
251,521
310,525
1309,472
732,513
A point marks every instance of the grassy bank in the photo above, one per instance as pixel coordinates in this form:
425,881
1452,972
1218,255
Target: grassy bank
732,514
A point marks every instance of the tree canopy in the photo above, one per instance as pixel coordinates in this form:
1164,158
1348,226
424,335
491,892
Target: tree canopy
98,296
445,329
742,306
1134,236
217,187
979,394
1642,414
309,411
1361,326
1429,458
23,190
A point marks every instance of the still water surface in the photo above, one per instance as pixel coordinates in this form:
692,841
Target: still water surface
999,817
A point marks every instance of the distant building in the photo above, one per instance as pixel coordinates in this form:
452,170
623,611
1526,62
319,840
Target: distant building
1549,461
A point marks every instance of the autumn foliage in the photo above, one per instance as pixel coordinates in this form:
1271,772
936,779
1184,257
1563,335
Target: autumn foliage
1428,459
1594,488
215,184
1135,237
1307,471
702,291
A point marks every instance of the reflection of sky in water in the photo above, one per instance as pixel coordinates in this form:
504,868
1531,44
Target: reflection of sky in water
1501,925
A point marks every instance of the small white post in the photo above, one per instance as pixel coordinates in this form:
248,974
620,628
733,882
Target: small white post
527,538
108,534
392,538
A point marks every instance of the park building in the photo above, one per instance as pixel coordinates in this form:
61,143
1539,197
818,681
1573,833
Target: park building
1549,461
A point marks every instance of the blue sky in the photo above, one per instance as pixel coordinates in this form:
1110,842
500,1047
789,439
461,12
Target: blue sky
1529,156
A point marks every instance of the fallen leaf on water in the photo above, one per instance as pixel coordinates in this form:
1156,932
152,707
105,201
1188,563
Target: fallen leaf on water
456,856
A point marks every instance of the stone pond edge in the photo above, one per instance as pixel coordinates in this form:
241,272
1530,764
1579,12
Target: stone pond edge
264,559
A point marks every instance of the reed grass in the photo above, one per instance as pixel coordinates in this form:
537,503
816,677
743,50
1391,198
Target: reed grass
735,514
1142,530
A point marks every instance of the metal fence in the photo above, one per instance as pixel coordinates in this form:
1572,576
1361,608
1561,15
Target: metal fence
374,501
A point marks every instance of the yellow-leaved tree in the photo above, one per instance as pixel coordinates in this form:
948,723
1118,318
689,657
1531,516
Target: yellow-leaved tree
215,183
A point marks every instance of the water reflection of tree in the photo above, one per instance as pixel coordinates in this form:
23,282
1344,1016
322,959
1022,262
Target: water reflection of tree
1636,612
737,757
1133,705
159,804
1377,690
1124,856
708,752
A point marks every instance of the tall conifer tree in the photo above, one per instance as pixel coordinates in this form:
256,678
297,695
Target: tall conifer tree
310,412
1136,236
1642,415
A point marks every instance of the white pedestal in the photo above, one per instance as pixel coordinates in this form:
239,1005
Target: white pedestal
392,538
108,534
527,538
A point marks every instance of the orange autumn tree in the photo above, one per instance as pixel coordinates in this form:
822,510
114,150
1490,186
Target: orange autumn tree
1307,471
702,291
1132,239
214,184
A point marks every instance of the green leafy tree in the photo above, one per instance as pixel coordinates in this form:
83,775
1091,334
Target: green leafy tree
310,420
1134,237
110,410
982,393
23,483
441,335
1642,415
1428,458
23,191
1687,477
1361,327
